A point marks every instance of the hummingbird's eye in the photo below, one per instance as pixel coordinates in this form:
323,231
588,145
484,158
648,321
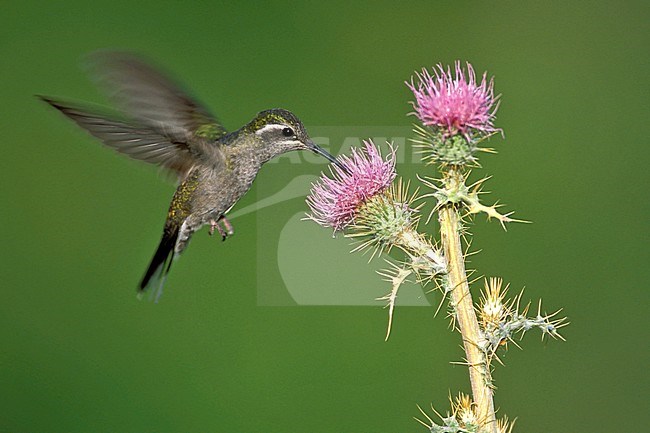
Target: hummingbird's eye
287,132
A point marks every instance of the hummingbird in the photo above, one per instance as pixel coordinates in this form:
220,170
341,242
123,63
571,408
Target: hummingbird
159,123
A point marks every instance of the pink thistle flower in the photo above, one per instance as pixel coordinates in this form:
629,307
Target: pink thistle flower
334,202
455,103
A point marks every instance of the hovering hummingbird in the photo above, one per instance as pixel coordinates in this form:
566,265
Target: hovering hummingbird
161,124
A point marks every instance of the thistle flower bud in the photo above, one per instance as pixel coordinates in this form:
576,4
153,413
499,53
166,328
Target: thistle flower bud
383,219
493,311
501,319
462,419
464,410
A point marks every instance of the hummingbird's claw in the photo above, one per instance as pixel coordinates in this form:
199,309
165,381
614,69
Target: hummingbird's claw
227,226
224,231
215,225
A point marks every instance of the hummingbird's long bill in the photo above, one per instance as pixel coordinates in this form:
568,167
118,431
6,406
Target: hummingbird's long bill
322,152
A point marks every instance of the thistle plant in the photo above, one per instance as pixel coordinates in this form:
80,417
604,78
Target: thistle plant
370,204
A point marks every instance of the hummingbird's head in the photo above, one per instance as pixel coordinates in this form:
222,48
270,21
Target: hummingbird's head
281,131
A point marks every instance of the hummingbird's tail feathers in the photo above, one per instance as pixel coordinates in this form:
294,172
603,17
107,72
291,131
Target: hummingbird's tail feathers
139,142
161,263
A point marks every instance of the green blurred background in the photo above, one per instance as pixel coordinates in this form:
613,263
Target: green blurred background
79,353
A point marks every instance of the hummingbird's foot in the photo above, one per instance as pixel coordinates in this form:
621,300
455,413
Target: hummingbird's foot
224,231
215,225
227,226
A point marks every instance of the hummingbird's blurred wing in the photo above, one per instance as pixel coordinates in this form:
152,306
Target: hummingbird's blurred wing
152,98
138,141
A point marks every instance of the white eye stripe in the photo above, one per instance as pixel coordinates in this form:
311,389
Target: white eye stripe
270,127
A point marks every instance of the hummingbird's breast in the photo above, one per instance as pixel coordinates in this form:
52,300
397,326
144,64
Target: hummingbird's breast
219,190
205,196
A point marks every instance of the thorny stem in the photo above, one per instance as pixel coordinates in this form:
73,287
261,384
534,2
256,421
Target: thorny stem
423,257
417,246
466,320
